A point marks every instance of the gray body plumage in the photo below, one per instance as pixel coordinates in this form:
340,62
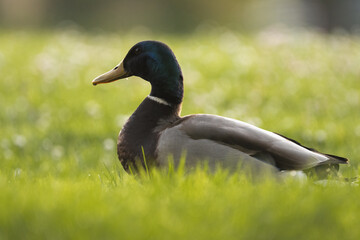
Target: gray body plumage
229,143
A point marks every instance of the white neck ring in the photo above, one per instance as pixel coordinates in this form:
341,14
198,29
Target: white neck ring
158,100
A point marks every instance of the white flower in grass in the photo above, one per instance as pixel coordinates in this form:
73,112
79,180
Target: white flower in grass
57,151
109,144
19,140
93,109
17,172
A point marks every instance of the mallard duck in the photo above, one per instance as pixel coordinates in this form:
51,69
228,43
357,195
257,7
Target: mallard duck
156,130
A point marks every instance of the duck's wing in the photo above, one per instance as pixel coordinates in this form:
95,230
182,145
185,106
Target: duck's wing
208,132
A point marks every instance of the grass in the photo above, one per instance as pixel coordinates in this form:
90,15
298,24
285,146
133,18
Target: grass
59,176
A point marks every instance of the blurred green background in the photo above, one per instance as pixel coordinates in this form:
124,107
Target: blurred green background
287,66
180,16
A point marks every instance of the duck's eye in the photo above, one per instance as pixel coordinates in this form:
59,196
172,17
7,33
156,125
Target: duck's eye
116,67
137,51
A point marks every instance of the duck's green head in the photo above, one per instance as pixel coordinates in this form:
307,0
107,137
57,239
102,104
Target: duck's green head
154,62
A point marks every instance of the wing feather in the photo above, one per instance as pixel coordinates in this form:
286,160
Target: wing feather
254,141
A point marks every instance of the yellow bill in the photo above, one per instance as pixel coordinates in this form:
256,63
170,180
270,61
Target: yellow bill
116,73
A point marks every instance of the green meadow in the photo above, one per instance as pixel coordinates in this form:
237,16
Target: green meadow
59,173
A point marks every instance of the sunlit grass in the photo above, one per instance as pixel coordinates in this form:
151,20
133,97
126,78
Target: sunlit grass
59,175
111,204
